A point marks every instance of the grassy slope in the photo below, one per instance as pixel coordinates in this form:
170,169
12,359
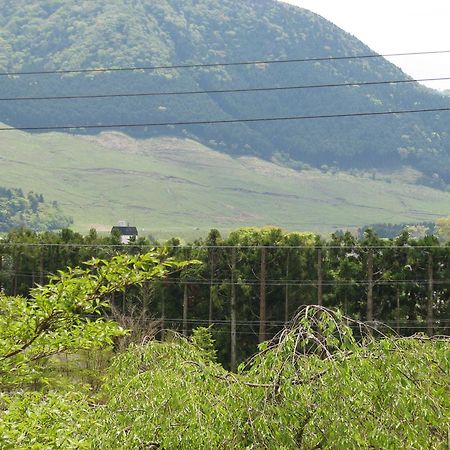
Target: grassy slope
167,185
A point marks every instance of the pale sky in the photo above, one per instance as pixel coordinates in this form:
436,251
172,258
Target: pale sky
396,26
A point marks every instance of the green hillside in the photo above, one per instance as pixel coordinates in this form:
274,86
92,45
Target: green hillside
171,185
62,34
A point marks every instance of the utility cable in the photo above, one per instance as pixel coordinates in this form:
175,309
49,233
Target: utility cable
354,248
225,121
224,64
275,282
222,91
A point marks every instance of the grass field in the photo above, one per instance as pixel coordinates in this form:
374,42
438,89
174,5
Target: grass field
171,186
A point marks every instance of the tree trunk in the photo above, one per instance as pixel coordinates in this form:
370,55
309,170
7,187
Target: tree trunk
262,297
430,318
286,291
163,309
185,309
146,295
319,278
41,268
16,266
211,289
233,311
398,310
370,285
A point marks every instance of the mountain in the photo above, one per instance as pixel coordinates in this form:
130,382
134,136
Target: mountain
63,34
169,186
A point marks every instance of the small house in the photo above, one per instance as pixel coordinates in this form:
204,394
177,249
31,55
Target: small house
126,233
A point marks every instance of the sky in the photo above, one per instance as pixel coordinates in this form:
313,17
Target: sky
396,26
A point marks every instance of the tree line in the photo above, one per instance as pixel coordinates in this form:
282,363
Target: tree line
19,209
249,284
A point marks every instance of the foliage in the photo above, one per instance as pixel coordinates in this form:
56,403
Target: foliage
443,226
392,230
30,211
317,385
202,339
50,34
38,421
401,280
65,315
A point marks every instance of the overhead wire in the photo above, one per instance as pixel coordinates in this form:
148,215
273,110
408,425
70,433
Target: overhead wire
222,247
220,64
362,247
222,91
217,91
255,282
209,282
224,121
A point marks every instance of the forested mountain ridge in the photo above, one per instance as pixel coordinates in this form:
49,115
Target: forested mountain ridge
60,34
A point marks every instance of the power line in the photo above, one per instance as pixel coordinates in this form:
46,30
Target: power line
224,64
222,91
355,248
253,281
226,121
273,322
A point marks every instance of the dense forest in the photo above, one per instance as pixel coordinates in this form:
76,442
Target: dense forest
391,230
72,378
30,210
249,285
53,35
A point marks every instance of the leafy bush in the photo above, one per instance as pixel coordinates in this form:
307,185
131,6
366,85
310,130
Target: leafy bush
65,316
316,385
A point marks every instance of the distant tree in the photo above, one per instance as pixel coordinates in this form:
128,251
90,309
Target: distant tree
443,225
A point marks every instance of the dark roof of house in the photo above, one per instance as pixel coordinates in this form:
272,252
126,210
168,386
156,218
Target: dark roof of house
125,231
